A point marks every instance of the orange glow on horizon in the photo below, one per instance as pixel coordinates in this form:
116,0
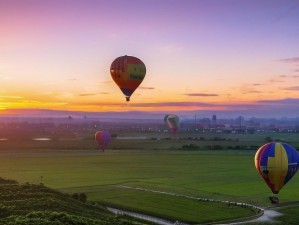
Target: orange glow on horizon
120,106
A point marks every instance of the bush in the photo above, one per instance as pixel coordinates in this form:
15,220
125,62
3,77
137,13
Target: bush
268,139
82,197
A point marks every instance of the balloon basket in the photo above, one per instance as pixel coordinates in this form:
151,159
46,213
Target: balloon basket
274,200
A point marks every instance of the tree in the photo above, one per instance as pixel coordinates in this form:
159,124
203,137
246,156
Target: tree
82,197
268,139
75,196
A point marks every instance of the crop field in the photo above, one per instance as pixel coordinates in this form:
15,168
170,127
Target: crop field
290,215
128,172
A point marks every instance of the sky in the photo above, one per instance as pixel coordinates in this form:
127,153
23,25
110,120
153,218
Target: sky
199,54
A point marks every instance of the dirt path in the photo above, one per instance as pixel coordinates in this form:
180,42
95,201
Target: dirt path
145,217
266,215
270,214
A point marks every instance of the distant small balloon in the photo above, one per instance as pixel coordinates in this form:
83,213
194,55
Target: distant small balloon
173,122
127,72
276,163
102,138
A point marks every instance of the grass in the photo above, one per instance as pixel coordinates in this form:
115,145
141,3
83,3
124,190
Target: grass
37,204
290,215
152,164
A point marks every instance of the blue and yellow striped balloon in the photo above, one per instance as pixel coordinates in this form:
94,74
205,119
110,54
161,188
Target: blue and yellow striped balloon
276,163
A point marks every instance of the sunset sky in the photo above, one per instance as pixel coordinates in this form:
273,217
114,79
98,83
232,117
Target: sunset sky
199,54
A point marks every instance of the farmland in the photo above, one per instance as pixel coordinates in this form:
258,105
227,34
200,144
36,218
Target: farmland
76,165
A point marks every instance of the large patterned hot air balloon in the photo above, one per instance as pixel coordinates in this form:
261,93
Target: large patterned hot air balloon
173,122
276,163
102,138
127,72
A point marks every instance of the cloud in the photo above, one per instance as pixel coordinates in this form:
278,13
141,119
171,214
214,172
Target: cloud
87,94
250,88
251,92
72,79
105,82
275,81
243,106
201,95
152,104
289,76
266,108
146,88
92,94
174,104
290,60
258,105
20,102
286,101
10,97
293,88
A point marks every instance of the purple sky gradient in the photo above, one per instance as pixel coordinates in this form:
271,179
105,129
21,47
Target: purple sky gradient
58,52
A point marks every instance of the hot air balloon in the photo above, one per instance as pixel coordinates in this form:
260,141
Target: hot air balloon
102,138
276,163
173,122
127,72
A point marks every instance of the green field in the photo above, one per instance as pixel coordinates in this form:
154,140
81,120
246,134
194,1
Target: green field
290,215
162,165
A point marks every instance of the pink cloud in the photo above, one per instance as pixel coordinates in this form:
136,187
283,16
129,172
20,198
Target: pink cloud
293,88
290,60
200,95
146,88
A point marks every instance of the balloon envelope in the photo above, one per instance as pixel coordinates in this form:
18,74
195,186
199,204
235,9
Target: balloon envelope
102,138
173,122
276,163
165,118
127,72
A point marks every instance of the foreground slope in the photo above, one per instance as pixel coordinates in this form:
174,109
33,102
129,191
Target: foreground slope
22,204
